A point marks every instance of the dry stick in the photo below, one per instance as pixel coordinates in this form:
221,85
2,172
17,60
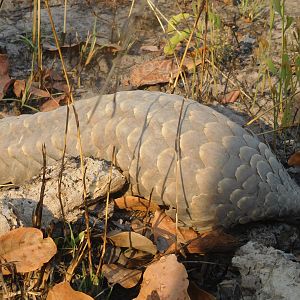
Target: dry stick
204,46
40,60
188,43
229,80
126,35
38,212
113,158
177,168
78,132
76,261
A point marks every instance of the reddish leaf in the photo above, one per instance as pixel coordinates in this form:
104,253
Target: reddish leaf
294,159
153,72
135,203
19,87
38,92
231,97
52,103
211,241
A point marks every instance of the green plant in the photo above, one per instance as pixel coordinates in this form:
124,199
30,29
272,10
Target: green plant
251,9
287,71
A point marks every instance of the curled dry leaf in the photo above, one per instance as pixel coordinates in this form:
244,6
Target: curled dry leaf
26,248
133,240
52,103
20,87
211,241
294,159
125,277
165,279
149,48
153,72
63,291
135,203
231,97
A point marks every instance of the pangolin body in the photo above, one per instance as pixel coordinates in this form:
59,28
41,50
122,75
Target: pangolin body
171,149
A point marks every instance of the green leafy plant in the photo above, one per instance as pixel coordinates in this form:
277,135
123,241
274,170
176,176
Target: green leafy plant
287,71
176,36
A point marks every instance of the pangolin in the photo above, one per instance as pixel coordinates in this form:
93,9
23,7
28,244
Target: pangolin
181,154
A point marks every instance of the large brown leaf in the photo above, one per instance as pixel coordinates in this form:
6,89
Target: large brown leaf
153,72
135,203
63,291
165,279
133,240
26,248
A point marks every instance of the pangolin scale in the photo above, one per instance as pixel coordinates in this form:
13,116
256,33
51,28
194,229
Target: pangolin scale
220,175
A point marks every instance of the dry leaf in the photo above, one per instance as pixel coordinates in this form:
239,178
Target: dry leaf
211,241
231,97
61,86
164,226
20,87
52,103
165,279
125,277
63,291
153,72
135,203
26,248
294,159
149,48
133,240
5,80
38,92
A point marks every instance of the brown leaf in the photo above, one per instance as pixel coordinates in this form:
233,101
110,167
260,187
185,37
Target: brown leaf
149,48
125,277
19,87
61,86
164,226
5,80
133,240
38,92
63,291
165,279
211,241
294,159
52,103
135,203
52,48
153,72
231,97
26,248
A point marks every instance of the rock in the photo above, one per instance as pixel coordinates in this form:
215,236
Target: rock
17,205
267,273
